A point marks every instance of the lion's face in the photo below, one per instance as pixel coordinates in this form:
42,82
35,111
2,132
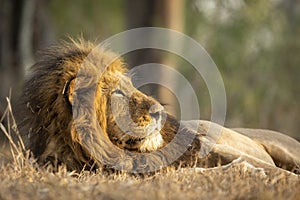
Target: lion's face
134,120
131,119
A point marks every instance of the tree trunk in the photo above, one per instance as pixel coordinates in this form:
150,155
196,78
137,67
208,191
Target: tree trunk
161,13
20,22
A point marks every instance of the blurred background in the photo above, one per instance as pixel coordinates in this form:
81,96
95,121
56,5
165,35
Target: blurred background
254,43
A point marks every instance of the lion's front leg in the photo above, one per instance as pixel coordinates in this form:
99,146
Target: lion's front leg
215,145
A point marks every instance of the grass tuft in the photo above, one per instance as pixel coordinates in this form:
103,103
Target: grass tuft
22,178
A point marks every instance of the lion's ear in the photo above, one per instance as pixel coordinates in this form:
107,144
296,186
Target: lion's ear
68,91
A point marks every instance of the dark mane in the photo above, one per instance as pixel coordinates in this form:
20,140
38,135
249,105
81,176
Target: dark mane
46,121
48,114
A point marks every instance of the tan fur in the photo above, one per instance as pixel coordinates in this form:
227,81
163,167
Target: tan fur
50,91
83,111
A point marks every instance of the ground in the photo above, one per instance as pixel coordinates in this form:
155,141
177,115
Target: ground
22,179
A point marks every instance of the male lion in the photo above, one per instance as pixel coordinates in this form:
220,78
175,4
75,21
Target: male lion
84,112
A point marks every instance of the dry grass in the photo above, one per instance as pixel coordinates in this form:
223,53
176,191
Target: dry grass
21,178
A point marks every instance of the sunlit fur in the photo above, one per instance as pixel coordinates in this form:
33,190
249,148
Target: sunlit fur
81,109
50,91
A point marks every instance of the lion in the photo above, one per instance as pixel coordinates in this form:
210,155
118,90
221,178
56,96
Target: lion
82,111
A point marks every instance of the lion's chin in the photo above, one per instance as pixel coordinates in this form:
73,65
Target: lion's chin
151,142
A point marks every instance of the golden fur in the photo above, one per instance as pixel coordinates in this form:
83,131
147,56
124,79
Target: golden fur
84,112
50,92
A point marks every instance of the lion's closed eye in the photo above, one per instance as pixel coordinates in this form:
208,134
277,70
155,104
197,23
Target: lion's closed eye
118,92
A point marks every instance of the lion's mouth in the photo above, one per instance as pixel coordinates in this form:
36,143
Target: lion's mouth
134,140
134,143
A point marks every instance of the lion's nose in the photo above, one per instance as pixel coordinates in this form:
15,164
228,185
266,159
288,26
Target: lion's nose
156,115
156,111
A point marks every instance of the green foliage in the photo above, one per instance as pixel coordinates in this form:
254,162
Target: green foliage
256,47
92,19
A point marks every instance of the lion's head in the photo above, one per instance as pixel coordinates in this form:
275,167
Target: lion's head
131,119
60,82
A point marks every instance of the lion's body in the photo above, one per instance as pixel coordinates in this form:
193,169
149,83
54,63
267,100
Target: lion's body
86,116
285,151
